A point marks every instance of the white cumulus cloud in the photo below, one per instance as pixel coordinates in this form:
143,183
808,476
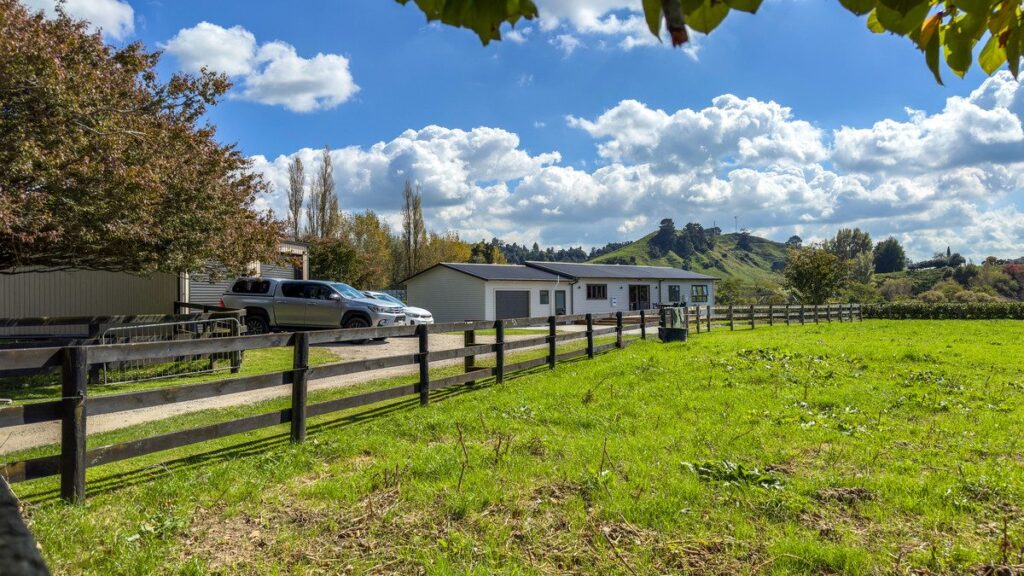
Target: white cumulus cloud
115,18
778,174
272,73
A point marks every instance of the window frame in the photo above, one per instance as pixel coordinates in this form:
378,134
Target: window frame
678,288
545,297
593,295
702,295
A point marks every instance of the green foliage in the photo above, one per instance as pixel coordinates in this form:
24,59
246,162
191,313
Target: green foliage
332,259
729,473
951,29
814,274
105,166
849,243
945,311
889,256
728,291
484,17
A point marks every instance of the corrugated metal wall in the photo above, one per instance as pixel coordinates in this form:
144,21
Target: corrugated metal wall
208,287
85,293
286,272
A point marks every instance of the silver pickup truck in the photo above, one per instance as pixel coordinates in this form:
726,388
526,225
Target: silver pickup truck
272,304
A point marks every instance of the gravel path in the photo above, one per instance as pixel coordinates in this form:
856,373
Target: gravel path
32,435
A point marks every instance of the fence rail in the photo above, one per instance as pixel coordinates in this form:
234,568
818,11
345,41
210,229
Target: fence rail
74,406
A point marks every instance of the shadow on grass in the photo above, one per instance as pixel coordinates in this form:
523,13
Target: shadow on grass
119,480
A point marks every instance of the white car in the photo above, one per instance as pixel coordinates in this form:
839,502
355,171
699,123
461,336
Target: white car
413,315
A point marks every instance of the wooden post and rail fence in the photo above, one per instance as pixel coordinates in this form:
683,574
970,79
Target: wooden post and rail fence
75,405
74,363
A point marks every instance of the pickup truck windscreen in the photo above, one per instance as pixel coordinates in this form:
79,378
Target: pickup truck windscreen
347,291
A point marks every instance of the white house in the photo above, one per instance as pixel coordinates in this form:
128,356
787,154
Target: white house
455,291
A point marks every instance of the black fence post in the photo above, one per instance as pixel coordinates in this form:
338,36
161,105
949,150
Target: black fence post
499,351
424,360
732,322
828,313
771,315
787,314
816,313
300,389
709,317
72,438
752,317
469,362
551,342
697,309
643,325
618,329
803,315
236,356
686,320
590,336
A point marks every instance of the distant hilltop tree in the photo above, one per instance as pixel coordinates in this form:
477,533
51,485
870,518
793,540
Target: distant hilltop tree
795,242
889,256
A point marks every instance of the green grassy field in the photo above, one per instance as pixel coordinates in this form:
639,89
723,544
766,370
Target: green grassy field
866,448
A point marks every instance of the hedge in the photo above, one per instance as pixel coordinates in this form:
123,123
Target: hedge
950,311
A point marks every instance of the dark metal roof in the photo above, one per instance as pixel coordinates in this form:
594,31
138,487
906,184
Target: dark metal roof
618,271
499,272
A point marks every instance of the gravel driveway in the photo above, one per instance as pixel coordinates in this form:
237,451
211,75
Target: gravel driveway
30,436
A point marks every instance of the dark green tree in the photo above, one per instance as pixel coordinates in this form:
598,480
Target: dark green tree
889,256
814,274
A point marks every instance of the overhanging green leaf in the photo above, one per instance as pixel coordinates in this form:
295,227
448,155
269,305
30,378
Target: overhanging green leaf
873,24
900,23
992,56
904,7
708,16
858,7
652,13
744,5
973,5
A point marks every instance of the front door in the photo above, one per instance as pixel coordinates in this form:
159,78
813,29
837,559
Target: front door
639,297
560,303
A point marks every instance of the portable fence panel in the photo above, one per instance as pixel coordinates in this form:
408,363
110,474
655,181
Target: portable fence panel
142,369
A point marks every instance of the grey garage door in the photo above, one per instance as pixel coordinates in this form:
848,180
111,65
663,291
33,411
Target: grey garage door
511,304
285,272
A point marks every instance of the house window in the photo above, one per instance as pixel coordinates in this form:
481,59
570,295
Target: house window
545,296
675,294
700,292
597,291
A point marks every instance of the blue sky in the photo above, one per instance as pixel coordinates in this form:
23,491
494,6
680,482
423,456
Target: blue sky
580,129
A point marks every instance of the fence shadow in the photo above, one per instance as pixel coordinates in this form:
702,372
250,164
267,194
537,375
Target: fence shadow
114,482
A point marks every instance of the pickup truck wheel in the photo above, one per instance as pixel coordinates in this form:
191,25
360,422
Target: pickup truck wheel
357,322
256,325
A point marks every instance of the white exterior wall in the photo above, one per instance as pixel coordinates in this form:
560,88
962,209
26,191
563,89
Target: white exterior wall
449,295
534,287
686,291
618,292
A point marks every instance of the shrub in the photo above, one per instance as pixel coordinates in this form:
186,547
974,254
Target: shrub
945,311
